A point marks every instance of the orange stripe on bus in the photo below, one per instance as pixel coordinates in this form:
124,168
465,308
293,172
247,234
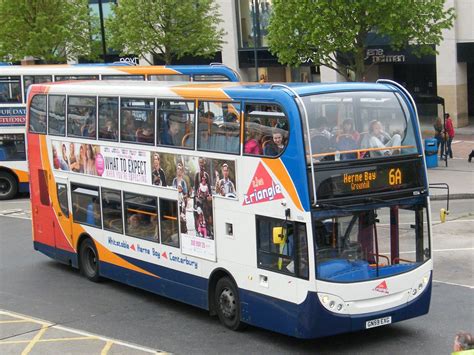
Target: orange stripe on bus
107,256
22,175
150,70
279,170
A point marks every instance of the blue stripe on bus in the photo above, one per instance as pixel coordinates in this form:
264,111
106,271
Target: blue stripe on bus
23,187
60,255
180,291
306,320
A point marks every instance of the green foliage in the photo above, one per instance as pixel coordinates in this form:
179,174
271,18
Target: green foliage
168,29
52,30
315,30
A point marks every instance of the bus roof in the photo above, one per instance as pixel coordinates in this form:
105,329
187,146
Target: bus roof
163,87
96,69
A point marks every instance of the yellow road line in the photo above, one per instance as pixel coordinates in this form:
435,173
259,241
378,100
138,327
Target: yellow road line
47,340
34,340
48,325
106,348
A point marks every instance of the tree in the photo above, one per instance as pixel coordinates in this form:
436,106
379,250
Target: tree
168,29
333,33
52,30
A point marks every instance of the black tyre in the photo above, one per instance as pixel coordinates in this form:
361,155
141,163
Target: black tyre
8,186
227,304
89,260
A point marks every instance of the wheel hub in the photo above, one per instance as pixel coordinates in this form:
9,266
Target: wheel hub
227,303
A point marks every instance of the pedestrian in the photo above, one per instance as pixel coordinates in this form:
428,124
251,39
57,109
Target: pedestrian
463,341
471,156
450,131
439,136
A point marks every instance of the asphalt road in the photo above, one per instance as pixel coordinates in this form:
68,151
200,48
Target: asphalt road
33,284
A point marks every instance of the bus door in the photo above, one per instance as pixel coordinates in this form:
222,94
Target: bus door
63,229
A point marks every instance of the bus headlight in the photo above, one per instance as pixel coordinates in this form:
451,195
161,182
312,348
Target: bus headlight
419,286
332,303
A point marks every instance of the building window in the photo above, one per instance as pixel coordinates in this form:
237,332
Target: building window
254,20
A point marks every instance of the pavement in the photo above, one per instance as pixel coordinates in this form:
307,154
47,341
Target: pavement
459,174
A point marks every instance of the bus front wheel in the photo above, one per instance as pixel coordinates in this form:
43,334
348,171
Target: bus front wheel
228,304
89,260
8,186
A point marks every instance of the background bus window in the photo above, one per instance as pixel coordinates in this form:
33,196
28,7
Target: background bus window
266,130
210,77
75,77
169,222
176,123
10,89
137,120
34,79
57,115
86,205
81,116
123,77
112,210
38,114
290,257
219,127
62,199
108,118
141,216
12,147
169,77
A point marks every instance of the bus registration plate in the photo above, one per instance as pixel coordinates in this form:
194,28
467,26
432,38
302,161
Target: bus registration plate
378,322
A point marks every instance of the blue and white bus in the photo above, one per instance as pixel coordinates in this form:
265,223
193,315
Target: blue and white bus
14,83
299,208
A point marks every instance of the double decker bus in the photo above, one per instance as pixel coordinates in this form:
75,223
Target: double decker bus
299,208
14,83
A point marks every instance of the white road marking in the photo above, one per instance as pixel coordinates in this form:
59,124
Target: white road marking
453,284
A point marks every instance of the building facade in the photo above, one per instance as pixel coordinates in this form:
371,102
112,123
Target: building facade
449,74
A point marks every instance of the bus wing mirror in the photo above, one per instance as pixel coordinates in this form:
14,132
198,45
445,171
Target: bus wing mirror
279,235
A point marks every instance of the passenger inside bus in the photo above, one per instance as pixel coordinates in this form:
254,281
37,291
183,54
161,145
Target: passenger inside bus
145,134
175,130
128,132
347,139
378,138
109,130
276,145
252,145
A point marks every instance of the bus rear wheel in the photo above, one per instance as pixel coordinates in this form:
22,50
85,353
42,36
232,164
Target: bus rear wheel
89,260
8,186
227,304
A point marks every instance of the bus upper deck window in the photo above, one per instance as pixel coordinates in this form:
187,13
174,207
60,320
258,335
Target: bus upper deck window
266,130
10,89
38,114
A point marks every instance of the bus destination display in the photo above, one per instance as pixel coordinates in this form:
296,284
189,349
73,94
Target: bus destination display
364,180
